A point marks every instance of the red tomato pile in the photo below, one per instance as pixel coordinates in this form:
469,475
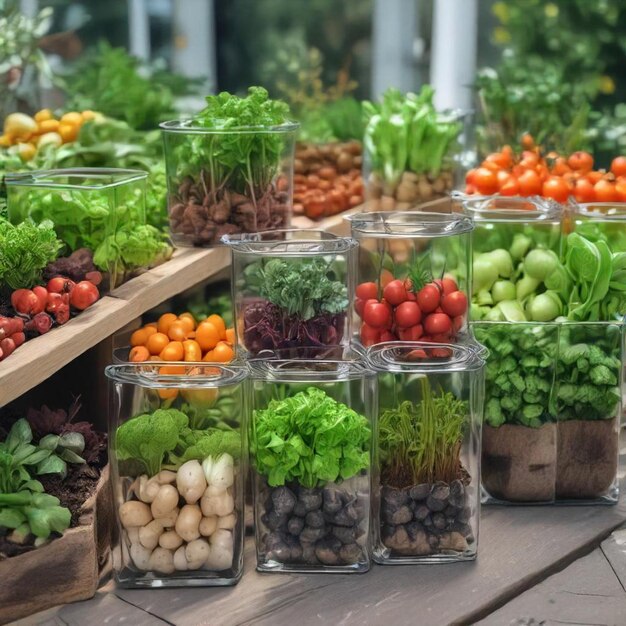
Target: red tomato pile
434,313
551,176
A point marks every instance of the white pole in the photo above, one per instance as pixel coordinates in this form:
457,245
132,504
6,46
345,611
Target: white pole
453,66
139,29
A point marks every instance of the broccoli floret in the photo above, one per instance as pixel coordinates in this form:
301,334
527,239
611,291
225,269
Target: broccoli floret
582,365
508,364
517,381
571,354
529,361
511,402
493,413
602,375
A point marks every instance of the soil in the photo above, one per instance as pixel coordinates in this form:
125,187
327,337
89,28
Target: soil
586,457
519,464
426,519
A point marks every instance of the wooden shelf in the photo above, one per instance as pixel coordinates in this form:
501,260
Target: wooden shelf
41,357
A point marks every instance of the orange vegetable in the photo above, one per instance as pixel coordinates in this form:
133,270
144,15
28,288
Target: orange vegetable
223,353
192,350
138,354
219,324
188,320
230,336
208,356
48,126
139,337
43,115
165,322
73,118
580,160
68,132
173,351
156,343
605,191
207,335
176,331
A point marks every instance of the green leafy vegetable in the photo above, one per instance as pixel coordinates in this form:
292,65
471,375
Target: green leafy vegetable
32,511
309,438
210,442
25,250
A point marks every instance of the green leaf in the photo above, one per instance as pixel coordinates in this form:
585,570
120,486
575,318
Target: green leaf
52,465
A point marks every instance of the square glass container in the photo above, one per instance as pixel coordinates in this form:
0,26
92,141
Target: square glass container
291,289
214,190
601,220
552,411
90,207
178,460
426,477
408,263
310,453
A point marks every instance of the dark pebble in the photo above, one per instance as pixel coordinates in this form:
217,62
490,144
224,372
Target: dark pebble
400,516
440,491
451,511
457,493
348,516
311,535
433,541
345,534
427,521
464,514
310,498
421,512
299,509
413,529
394,498
435,504
277,549
332,500
283,500
308,554
295,525
314,519
274,521
464,529
420,492
327,550
439,521
350,553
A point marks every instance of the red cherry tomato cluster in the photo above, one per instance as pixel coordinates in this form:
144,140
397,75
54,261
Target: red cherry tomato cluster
435,313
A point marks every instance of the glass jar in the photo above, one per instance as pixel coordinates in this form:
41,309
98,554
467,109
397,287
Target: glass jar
310,452
291,289
406,257
213,190
178,464
601,220
90,208
327,178
552,409
426,478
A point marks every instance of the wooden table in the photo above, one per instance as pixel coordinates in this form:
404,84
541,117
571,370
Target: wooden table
561,564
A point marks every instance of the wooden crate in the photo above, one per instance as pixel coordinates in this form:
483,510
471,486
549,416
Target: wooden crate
67,569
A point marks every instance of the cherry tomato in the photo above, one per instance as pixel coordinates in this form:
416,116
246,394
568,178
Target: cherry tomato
192,350
365,291
618,166
173,351
527,141
458,322
556,188
485,181
560,166
219,324
60,284
454,304
501,159
584,191
359,304
386,277
83,295
407,314
414,333
369,335
177,331
387,335
377,314
620,189
138,354
207,335
415,355
164,322
529,183
438,324
469,177
156,343
605,191
510,186
395,292
581,161
428,298
441,353
447,285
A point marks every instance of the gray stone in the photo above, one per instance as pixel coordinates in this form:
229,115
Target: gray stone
420,492
332,500
311,498
348,516
462,528
283,500
394,498
464,515
457,493
345,534
439,521
276,548
314,519
350,553
327,550
400,516
421,512
452,541
295,525
274,521
308,554
451,511
409,540
311,535
299,509
435,504
427,521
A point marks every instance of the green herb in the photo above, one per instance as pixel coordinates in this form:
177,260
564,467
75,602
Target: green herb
210,442
303,287
405,133
25,250
421,443
309,438
337,120
149,437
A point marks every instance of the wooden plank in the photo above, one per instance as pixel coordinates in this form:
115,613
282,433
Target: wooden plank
586,592
39,358
519,546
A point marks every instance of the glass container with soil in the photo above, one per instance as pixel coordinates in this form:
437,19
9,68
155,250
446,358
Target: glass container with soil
310,449
552,409
291,289
412,276
178,462
601,220
102,209
227,181
426,477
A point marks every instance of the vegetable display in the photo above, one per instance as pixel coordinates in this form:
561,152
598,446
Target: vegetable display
409,148
294,303
424,502
225,168
309,451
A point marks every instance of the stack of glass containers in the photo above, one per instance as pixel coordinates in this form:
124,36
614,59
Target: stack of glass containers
178,462
425,485
310,453
291,289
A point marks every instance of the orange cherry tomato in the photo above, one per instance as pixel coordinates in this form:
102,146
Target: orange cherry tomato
188,321
485,181
138,354
173,351
207,335
556,188
230,336
152,325
580,160
560,167
510,187
528,141
620,189
208,356
192,349
168,394
223,353
157,342
469,177
584,191
172,370
165,321
618,166
529,159
150,329
501,159
139,337
605,191
219,324
529,183
176,331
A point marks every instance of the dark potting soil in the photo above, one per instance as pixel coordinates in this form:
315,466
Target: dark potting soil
426,519
319,526
266,327
203,215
